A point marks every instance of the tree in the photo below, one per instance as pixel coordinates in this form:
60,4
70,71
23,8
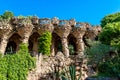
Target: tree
110,33
45,43
106,56
111,30
7,15
110,19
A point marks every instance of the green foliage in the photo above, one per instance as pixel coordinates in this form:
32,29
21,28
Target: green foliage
71,49
111,30
97,52
2,77
0,55
1,17
116,42
3,68
21,17
7,15
72,71
45,43
23,48
59,46
110,34
110,19
16,66
110,68
70,74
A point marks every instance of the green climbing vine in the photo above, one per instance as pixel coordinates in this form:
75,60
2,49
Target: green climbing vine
45,43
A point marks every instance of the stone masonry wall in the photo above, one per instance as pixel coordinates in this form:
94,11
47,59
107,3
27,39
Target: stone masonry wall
47,67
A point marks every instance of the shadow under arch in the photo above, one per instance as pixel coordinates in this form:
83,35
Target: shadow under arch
56,43
13,44
72,44
33,43
0,39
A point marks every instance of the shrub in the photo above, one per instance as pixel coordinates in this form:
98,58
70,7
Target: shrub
2,77
16,66
71,49
110,36
3,67
70,73
97,52
110,68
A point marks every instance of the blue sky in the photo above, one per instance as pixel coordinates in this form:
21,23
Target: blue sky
91,11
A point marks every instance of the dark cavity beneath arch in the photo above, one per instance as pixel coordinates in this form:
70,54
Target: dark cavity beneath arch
33,44
56,42
72,45
13,44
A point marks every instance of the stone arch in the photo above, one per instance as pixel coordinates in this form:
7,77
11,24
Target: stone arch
33,43
72,43
85,41
89,36
56,44
13,43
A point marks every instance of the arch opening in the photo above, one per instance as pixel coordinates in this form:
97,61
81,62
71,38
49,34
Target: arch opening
33,43
56,42
13,44
72,45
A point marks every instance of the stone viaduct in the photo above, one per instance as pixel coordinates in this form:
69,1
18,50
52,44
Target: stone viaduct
28,30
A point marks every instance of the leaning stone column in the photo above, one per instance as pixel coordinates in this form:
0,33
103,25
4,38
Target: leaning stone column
26,34
5,33
25,39
79,32
3,45
53,49
80,45
25,29
65,46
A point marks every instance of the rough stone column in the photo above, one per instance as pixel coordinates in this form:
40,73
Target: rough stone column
53,49
26,33
65,46
25,39
3,45
25,29
80,45
5,32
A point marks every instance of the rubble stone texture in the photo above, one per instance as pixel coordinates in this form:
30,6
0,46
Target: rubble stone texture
47,67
